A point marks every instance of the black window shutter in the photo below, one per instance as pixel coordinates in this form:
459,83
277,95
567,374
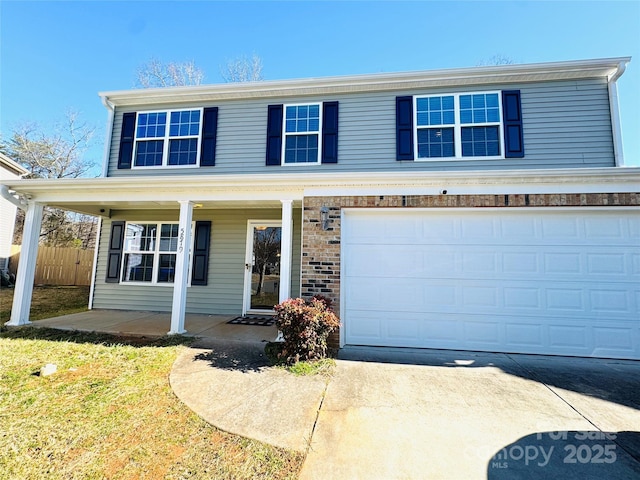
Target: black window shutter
126,140
209,132
274,135
200,269
330,132
114,258
512,115
404,128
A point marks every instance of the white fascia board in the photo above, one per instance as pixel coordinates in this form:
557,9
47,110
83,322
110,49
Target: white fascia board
296,186
594,180
372,82
12,166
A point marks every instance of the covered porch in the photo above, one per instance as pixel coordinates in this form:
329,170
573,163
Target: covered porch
187,272
156,324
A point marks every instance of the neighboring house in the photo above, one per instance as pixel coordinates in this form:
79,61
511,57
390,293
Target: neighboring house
9,171
482,208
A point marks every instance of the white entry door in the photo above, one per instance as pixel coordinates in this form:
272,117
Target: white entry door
548,281
262,266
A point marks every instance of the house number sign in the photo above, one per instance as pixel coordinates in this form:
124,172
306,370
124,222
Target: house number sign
181,241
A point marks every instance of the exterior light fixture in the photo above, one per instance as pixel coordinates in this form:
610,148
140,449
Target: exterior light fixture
324,217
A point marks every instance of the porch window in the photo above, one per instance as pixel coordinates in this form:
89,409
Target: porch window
150,252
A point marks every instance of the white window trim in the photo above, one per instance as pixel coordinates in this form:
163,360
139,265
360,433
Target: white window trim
156,255
166,139
457,128
284,134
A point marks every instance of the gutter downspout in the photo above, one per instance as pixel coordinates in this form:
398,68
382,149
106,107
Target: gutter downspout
107,143
614,107
17,201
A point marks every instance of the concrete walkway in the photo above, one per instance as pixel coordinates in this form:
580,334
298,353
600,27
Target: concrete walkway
230,385
398,413
157,324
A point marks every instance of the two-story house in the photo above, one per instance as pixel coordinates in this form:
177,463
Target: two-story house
481,208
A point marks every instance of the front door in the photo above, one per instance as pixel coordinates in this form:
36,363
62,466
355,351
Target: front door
262,266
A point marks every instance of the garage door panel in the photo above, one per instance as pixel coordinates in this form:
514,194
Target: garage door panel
522,297
526,334
557,282
584,300
610,301
485,333
560,228
567,336
379,261
492,261
605,227
612,338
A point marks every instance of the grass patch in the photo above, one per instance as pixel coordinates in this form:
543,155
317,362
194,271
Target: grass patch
109,412
325,366
47,302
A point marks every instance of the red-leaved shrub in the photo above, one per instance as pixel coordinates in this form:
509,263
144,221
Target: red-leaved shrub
305,326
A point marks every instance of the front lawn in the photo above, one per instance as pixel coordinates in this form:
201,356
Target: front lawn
47,302
109,412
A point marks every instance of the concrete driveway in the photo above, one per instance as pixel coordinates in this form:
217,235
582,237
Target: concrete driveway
392,413
428,414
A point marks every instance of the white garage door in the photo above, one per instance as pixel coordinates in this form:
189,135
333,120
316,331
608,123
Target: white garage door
507,280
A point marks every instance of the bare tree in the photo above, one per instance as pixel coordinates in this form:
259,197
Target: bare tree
154,73
242,69
497,59
59,154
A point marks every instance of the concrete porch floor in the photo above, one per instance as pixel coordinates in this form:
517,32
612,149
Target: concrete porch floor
157,324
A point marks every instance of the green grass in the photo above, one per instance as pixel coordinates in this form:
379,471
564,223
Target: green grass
324,367
47,302
109,412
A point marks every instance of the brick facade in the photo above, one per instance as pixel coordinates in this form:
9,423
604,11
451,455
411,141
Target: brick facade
320,269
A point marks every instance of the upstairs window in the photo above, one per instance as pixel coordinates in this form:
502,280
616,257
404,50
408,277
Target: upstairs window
458,126
302,134
167,138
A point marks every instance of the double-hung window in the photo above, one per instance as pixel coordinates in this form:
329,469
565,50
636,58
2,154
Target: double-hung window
302,134
149,253
459,126
170,138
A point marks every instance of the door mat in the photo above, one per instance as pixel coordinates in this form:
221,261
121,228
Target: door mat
261,320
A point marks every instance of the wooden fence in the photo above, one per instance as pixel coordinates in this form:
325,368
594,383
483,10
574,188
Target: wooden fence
58,266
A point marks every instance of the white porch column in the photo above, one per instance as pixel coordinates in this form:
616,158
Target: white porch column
27,266
181,278
286,249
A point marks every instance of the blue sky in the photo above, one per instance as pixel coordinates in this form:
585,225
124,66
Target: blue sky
57,55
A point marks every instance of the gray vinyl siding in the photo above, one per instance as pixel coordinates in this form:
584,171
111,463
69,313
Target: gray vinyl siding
565,124
224,291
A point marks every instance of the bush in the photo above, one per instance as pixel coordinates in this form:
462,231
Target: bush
305,326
